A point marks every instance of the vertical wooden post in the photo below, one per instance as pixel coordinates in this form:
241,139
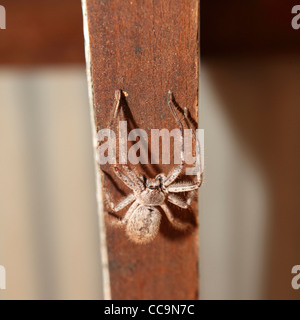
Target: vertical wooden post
146,48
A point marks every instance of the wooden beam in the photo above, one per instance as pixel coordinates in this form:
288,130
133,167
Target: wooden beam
146,48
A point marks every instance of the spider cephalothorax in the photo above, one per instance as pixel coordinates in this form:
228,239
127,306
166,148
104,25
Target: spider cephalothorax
142,220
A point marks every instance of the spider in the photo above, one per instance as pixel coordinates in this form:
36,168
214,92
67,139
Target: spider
142,220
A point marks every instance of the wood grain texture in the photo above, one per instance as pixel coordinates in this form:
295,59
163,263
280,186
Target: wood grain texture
146,48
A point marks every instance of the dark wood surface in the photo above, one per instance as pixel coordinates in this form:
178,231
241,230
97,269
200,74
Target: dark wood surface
238,28
146,48
42,33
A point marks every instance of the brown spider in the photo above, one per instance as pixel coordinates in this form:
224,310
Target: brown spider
142,220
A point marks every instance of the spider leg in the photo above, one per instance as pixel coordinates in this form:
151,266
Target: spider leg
130,212
121,205
120,222
185,186
125,179
179,202
190,186
129,178
175,222
116,109
182,203
134,177
173,175
132,182
116,106
199,176
190,197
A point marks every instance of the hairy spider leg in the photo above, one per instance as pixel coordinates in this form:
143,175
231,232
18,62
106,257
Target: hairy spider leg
190,186
133,182
175,222
173,175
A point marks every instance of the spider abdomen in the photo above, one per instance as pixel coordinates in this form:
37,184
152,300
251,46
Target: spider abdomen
143,225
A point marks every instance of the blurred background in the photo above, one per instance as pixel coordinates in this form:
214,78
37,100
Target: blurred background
249,205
